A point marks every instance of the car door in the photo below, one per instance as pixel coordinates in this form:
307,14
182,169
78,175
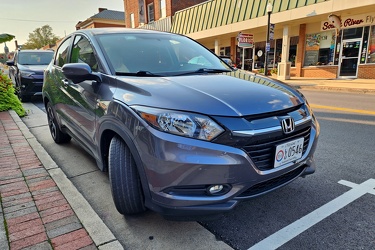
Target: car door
77,107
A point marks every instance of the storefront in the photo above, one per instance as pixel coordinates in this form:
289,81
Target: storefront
306,42
350,54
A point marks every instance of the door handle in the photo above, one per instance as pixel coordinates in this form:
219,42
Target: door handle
65,82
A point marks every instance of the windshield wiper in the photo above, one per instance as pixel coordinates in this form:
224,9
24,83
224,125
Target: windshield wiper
139,73
204,70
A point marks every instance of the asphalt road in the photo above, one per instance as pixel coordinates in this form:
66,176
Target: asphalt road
326,210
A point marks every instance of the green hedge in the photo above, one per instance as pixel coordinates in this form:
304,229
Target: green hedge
8,99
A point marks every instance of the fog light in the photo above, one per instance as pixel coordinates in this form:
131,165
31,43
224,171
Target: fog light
214,189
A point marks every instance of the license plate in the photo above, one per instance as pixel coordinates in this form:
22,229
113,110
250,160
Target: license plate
288,152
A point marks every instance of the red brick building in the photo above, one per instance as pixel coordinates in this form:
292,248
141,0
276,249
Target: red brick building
154,14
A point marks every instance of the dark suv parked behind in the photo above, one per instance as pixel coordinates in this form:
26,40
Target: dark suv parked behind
180,131
26,71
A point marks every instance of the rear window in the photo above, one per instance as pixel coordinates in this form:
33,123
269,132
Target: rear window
35,58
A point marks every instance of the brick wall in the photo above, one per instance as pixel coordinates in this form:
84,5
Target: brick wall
180,5
320,72
366,71
131,6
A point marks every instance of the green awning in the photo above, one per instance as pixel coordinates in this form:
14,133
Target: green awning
216,13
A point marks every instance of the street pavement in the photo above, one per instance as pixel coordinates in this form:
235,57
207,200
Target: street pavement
40,207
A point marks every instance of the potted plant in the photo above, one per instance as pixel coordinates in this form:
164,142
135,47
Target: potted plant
274,71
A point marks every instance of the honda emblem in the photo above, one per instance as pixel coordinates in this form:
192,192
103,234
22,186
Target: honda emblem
288,125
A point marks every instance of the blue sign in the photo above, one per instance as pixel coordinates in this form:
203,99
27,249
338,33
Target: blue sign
268,47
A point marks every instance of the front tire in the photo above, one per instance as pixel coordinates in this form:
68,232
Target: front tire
124,178
57,135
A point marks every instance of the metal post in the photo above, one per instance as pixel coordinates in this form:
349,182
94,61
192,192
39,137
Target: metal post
243,58
269,11
267,42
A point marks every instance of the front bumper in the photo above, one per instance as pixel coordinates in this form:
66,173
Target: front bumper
31,85
179,170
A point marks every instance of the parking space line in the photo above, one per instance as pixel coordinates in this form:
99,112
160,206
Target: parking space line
289,232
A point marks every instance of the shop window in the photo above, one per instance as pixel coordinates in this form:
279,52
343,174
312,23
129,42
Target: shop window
364,44
319,49
150,12
293,50
371,48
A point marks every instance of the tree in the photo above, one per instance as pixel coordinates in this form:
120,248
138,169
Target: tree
40,37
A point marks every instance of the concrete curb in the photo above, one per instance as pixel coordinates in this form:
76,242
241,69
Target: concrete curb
98,231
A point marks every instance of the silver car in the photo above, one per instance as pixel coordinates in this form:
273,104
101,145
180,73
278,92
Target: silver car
180,131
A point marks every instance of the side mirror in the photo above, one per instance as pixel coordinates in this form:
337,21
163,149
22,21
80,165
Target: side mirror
78,72
10,63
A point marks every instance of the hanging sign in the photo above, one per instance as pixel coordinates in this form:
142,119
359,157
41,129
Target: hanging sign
245,40
272,31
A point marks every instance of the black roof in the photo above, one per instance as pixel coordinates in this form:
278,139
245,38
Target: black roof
110,14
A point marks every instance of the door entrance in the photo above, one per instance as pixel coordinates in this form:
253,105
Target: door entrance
350,54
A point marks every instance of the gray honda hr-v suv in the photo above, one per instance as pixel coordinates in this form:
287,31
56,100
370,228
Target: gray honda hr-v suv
180,132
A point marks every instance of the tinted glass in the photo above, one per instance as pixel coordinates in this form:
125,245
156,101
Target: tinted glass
35,58
82,52
156,53
62,53
352,33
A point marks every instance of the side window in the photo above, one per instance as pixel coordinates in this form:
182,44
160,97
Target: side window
82,52
62,53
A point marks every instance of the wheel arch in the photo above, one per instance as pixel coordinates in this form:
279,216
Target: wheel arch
108,130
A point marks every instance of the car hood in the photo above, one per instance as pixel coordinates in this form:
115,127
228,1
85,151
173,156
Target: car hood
34,68
232,94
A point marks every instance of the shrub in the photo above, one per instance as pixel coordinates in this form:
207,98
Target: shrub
8,99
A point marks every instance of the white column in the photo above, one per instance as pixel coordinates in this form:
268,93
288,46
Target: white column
283,68
217,48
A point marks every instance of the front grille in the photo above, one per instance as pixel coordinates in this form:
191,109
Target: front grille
262,152
272,184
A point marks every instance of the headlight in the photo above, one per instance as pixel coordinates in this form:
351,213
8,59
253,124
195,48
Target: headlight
180,123
27,73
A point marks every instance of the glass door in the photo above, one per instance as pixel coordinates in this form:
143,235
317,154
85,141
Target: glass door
349,58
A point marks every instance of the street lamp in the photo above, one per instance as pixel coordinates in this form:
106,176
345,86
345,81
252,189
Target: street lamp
269,11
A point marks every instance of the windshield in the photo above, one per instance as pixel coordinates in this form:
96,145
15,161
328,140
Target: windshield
158,54
35,58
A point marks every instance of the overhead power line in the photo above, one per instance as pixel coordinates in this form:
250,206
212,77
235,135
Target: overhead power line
39,21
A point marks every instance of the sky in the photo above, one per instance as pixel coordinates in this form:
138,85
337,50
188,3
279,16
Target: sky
22,17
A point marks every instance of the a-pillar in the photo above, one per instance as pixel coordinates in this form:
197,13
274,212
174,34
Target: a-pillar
283,67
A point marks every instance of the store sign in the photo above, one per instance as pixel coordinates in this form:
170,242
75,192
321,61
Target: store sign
350,22
245,40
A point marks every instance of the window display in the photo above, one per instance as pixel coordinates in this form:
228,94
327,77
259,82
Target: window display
319,49
371,48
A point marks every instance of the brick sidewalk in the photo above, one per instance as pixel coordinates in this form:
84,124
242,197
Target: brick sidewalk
36,215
